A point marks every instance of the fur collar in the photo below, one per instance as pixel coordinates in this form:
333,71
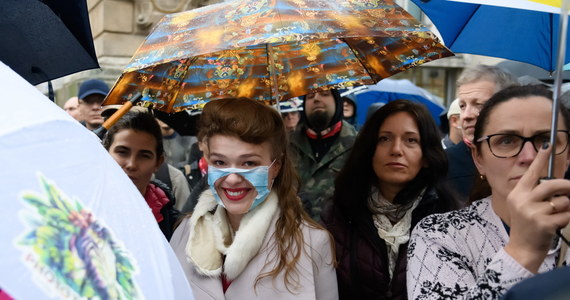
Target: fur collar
211,238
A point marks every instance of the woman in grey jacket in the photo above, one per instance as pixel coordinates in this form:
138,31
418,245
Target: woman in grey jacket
248,237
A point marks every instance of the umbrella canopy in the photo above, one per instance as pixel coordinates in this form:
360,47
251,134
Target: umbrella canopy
525,30
39,46
78,227
272,50
552,6
184,122
389,90
521,69
75,16
523,35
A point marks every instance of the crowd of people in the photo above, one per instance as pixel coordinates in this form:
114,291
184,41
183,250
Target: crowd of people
296,202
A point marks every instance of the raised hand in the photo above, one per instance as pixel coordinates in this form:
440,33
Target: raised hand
536,212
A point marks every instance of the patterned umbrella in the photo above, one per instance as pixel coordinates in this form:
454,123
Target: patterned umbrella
272,50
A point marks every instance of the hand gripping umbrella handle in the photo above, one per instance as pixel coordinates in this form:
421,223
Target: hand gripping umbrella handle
559,230
100,132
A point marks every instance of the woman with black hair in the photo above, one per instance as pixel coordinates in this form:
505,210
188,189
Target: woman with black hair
392,179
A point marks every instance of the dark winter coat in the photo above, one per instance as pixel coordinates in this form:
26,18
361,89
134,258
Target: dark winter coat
362,256
462,171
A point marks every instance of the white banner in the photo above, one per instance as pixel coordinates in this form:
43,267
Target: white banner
73,224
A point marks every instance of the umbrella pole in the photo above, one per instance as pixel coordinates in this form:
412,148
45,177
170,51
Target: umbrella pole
273,76
100,132
562,32
50,91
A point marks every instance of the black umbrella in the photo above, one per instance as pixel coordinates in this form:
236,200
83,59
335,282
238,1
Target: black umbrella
37,44
75,16
182,122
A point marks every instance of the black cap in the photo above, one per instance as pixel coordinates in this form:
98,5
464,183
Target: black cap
93,86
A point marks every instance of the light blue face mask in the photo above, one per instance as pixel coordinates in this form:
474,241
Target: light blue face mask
257,177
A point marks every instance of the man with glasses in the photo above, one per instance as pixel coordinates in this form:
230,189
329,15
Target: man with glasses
474,87
91,95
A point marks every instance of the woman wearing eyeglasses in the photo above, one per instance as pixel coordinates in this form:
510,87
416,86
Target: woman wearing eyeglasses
481,251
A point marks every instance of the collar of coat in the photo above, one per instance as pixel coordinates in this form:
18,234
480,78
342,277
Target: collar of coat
211,238
343,144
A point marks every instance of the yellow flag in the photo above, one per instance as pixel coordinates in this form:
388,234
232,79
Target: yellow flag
555,3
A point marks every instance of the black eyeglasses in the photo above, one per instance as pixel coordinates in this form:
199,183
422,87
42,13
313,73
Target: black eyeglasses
505,145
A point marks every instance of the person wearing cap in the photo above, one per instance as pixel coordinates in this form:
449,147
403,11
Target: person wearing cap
454,136
91,95
320,147
290,113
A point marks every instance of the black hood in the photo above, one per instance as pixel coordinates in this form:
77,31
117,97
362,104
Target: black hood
337,116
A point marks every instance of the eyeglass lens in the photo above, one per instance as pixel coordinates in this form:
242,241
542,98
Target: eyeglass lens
509,145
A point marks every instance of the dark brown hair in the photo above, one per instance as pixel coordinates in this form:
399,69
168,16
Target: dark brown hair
481,188
138,121
256,123
354,181
509,93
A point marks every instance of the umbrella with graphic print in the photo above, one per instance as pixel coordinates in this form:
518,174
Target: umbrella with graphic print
76,227
272,50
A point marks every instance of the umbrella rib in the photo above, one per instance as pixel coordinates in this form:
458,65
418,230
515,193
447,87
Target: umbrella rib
272,74
452,42
358,58
552,46
177,91
465,24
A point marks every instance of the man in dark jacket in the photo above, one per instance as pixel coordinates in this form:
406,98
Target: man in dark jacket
474,87
320,147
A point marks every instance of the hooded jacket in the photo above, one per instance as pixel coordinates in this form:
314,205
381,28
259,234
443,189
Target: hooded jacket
318,174
337,113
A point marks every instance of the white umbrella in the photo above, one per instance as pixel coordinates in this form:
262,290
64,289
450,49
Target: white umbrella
74,225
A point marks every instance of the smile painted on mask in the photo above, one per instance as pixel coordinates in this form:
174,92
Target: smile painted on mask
257,177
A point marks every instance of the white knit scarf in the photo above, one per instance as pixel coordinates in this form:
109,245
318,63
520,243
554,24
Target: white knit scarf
211,238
